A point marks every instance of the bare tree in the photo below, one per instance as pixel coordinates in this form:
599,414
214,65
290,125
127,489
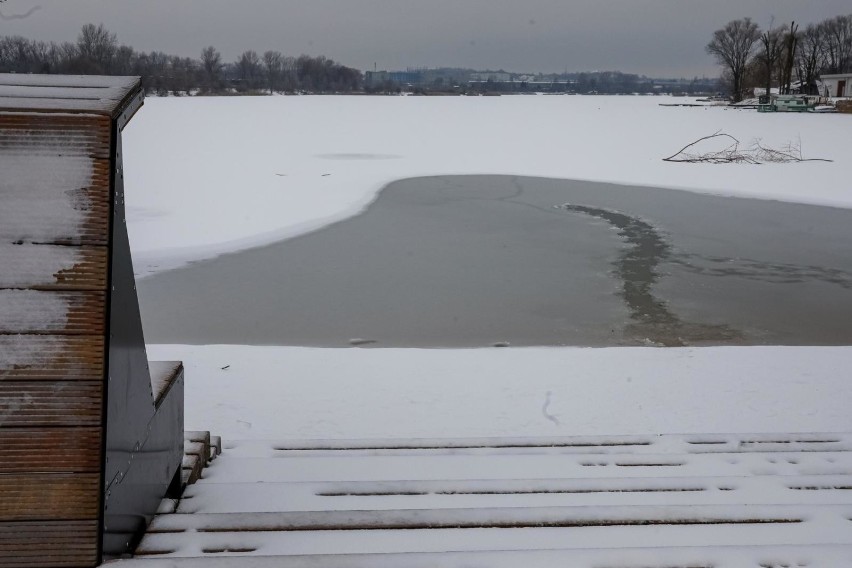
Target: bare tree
790,43
732,47
123,62
158,72
182,72
96,47
211,64
273,65
771,48
810,58
249,68
15,53
829,47
841,37
837,43
68,50
289,81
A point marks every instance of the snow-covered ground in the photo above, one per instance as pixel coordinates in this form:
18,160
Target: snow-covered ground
207,176
303,393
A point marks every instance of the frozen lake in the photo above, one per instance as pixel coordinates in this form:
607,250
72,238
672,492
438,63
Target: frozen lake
480,260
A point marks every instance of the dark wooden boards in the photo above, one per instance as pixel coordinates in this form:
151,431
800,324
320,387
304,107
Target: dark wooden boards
86,450
55,226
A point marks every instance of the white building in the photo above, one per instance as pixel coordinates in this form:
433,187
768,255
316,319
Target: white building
839,85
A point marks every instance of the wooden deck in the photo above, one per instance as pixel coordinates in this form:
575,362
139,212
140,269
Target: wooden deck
660,501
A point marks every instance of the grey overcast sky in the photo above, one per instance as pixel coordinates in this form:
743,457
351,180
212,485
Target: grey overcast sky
662,38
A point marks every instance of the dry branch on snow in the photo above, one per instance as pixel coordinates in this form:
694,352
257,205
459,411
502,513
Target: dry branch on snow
732,153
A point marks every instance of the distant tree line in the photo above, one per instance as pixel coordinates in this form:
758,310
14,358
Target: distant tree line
752,57
97,52
614,82
453,80
599,83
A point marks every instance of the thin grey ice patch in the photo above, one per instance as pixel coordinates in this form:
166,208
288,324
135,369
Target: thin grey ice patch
638,270
41,185
762,271
26,311
28,265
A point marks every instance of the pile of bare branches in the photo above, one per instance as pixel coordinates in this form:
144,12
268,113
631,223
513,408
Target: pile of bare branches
732,153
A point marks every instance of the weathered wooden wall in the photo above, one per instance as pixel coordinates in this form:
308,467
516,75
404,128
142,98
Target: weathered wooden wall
54,237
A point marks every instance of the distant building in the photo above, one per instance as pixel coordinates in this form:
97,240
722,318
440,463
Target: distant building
375,78
397,78
405,77
839,85
494,77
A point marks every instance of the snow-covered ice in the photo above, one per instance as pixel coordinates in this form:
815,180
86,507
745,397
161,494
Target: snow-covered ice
206,176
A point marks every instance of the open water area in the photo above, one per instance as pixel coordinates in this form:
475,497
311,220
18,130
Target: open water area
477,261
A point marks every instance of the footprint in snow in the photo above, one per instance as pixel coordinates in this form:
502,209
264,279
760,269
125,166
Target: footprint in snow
546,414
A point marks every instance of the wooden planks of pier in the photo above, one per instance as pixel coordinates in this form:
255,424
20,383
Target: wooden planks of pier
652,501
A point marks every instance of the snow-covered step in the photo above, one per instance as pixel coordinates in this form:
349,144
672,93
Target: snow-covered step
661,501
510,465
514,517
304,542
661,444
466,493
628,557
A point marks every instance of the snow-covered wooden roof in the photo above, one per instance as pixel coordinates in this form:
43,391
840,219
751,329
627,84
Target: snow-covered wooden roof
66,93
